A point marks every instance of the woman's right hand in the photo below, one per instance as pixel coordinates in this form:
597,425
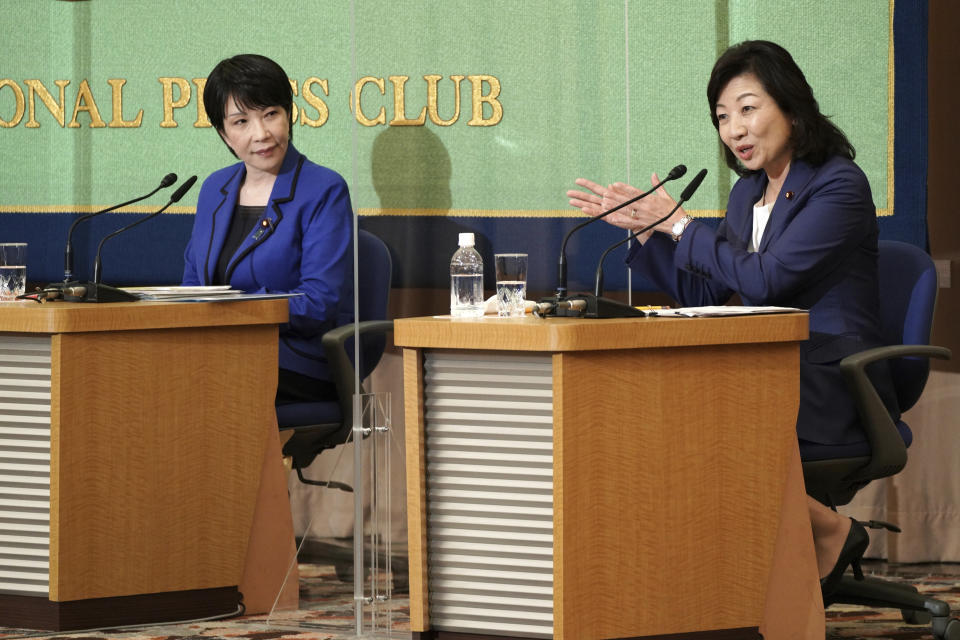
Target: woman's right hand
599,199
633,217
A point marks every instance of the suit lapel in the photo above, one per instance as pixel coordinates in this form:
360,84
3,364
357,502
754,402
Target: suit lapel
283,192
789,201
220,221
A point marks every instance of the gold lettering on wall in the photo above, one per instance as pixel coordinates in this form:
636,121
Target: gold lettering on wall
202,119
311,110
57,109
85,102
169,103
479,99
117,120
433,99
357,91
19,105
323,113
399,105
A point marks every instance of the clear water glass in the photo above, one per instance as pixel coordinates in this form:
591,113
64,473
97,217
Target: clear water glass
511,283
13,270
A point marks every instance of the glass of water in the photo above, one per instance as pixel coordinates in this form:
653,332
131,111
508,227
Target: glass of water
13,270
511,283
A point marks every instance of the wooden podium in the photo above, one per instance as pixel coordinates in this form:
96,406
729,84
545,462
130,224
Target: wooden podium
134,436
583,479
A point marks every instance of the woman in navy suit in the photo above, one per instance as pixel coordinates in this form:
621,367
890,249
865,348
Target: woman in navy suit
800,231
274,222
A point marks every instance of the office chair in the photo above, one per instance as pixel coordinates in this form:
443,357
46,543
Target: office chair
316,426
833,474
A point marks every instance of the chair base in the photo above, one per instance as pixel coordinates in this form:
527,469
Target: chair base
915,607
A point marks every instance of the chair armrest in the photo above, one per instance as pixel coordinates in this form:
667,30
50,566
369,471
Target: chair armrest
888,451
341,366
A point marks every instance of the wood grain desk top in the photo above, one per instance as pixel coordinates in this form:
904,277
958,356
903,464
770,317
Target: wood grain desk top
577,334
74,317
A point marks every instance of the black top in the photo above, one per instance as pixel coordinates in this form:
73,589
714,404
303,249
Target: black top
244,220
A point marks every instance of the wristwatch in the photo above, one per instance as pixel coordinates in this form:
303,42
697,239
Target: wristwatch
679,226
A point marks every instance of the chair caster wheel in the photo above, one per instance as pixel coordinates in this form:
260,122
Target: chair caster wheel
946,630
912,616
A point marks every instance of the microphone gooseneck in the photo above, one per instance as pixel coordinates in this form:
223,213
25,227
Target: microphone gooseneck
167,180
674,173
177,195
684,196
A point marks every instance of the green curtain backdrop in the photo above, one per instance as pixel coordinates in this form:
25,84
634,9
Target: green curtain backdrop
100,98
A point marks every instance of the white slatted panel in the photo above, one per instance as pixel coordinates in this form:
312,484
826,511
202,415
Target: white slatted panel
489,448
24,465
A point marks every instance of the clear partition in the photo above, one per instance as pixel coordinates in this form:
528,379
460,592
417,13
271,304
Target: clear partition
444,118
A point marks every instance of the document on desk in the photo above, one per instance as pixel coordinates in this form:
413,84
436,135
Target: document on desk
220,293
719,311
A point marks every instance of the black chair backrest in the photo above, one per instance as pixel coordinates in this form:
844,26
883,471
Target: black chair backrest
908,293
374,267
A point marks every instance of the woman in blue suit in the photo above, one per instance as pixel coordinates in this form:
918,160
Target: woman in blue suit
800,231
274,222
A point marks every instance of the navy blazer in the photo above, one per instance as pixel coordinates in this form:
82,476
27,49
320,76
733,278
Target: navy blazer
818,252
303,243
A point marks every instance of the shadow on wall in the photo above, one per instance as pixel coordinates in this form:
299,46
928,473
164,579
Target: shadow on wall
411,170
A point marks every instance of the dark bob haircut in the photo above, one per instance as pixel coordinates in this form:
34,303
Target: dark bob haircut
254,82
813,137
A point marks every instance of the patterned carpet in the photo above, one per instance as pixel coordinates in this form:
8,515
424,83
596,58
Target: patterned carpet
327,614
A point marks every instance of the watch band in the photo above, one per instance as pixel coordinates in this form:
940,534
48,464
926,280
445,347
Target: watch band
679,227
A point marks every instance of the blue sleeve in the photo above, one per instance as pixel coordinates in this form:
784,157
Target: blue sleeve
656,261
326,264
810,240
193,255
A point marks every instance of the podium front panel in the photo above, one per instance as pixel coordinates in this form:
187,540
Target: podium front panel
132,440
630,484
25,465
489,478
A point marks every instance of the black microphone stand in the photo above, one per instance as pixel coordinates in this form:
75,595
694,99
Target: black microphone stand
96,291
167,180
594,305
585,305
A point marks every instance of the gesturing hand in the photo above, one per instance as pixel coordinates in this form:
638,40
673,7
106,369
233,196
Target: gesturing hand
599,199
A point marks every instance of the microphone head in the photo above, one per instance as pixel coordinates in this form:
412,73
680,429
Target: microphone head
693,186
676,172
168,180
182,189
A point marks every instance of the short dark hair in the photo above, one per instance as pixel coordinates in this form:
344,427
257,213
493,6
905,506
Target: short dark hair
813,137
253,80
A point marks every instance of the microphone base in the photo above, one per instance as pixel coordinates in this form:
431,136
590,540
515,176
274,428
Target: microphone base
95,292
587,305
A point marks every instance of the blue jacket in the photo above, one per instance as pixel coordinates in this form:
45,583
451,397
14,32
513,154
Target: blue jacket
818,252
302,243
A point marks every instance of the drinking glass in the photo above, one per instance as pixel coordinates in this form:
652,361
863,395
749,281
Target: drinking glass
511,283
13,270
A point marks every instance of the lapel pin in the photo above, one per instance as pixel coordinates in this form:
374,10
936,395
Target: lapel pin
788,195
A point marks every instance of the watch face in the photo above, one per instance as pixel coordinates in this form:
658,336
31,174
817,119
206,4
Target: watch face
678,227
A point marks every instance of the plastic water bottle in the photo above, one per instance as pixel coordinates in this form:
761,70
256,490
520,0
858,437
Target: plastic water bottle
466,280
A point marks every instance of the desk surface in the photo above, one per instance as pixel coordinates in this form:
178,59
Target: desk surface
576,334
74,317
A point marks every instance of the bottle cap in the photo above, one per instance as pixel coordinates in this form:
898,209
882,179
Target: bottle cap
466,240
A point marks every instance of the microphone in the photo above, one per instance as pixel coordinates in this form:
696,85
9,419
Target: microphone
167,180
686,195
675,173
177,195
95,291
